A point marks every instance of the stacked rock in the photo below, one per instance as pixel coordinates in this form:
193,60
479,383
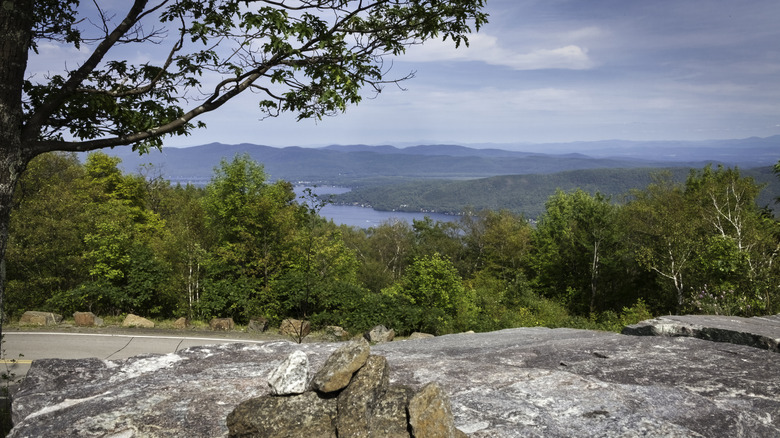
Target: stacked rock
350,396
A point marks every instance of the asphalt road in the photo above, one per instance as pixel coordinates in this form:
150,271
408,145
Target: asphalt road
21,348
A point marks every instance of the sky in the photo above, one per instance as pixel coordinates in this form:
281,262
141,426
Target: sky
559,71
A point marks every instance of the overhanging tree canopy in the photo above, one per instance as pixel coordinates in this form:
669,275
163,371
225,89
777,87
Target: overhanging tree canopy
309,57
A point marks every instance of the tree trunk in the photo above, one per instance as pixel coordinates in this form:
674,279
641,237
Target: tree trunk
594,274
16,30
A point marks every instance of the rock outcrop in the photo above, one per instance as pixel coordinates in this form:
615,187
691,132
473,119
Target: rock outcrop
528,382
760,332
32,317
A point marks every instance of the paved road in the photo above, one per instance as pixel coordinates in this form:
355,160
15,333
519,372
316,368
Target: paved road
21,348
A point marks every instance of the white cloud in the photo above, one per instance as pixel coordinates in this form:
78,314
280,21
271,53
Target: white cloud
486,48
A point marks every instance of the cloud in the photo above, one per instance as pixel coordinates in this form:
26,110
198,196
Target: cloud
486,48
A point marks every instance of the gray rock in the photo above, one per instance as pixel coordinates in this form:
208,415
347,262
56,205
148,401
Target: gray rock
379,334
357,401
529,382
137,321
430,413
306,415
759,332
32,317
257,325
292,375
340,366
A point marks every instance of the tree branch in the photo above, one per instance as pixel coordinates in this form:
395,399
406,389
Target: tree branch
44,112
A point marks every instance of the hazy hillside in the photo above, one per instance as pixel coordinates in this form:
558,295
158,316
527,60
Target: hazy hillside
355,165
524,194
747,152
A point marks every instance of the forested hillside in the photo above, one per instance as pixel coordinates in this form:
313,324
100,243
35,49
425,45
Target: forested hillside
86,236
523,194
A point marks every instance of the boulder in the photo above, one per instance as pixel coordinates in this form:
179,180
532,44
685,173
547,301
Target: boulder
222,324
379,335
336,333
357,401
430,414
181,323
292,375
760,332
526,382
295,327
417,335
306,415
137,321
32,317
257,325
389,415
340,366
87,319
354,415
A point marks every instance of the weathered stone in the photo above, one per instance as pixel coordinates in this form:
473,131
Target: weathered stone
336,333
32,317
137,321
181,323
295,328
759,332
527,382
417,335
430,413
340,366
257,325
291,376
306,415
222,324
357,401
389,417
87,319
379,335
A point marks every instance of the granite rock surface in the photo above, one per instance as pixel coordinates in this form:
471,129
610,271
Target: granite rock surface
527,382
760,331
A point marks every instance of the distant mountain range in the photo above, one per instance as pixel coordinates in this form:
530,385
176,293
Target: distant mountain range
359,165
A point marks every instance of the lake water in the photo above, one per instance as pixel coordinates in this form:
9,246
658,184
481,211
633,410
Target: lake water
362,217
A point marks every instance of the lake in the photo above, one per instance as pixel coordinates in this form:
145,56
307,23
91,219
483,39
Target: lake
362,217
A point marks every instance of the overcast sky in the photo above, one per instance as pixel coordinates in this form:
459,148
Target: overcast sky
562,70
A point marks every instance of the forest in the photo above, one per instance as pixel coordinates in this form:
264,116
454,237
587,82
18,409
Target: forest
90,237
